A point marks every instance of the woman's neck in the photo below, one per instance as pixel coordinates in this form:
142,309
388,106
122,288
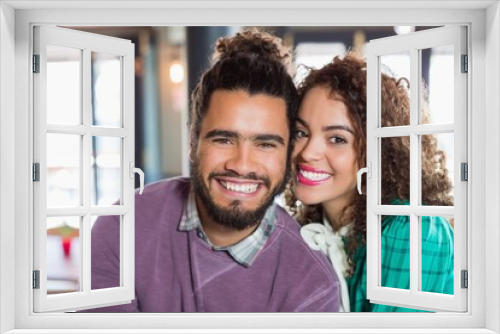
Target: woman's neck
334,212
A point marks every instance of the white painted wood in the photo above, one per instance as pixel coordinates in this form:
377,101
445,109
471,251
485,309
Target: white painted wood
491,161
86,298
414,42
7,167
471,322
399,131
110,210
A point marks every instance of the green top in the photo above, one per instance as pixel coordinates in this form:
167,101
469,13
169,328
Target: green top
437,261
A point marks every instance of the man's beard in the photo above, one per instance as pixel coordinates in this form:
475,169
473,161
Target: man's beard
234,216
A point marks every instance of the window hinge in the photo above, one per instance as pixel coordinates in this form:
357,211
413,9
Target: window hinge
464,172
36,63
36,279
465,279
465,64
36,172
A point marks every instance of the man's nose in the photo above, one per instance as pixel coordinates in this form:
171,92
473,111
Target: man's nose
242,160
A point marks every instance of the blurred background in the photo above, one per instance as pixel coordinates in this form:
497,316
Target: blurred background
168,64
169,61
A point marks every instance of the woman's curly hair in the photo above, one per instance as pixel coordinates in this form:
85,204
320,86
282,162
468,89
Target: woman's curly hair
345,78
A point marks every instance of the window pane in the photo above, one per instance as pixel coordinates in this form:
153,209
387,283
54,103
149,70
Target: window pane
440,86
437,254
63,170
395,252
106,167
63,254
105,252
106,90
396,66
395,171
63,85
437,169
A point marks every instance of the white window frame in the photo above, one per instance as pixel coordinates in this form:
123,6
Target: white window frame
86,43
483,20
413,43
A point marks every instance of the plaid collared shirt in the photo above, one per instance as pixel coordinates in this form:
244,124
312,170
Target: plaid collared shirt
437,261
245,251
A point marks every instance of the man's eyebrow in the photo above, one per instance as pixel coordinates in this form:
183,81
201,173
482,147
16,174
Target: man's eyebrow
329,127
256,137
269,137
221,133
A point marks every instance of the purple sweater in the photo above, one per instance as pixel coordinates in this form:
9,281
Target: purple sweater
176,271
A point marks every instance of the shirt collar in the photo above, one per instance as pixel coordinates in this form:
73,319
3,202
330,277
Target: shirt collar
245,251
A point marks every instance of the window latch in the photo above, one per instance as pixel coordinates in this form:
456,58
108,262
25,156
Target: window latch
133,170
368,171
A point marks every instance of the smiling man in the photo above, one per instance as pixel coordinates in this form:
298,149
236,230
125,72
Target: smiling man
217,242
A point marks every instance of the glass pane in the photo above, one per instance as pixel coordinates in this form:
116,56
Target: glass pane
437,254
63,254
437,169
105,249
395,171
106,167
395,252
63,170
394,66
63,85
106,90
438,75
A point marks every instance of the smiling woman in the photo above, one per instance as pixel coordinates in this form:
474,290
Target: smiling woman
330,149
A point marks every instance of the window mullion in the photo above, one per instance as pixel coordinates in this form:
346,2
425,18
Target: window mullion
85,240
414,166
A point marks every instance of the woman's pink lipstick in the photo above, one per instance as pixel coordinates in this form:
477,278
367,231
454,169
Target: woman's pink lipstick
308,182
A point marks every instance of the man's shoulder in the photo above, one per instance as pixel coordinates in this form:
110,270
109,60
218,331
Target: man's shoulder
156,191
162,200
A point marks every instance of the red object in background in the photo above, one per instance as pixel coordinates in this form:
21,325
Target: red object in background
66,244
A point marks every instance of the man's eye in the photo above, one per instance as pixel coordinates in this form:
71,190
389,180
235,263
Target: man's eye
223,141
300,134
267,145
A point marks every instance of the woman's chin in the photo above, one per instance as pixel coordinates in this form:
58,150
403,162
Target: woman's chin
308,198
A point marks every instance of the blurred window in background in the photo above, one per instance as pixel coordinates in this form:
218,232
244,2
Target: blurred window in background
315,55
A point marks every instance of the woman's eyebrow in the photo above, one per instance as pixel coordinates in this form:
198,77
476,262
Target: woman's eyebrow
329,127
337,127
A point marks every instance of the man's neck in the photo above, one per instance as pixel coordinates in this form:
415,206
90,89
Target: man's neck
219,235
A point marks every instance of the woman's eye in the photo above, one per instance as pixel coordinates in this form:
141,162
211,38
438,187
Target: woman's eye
300,134
338,140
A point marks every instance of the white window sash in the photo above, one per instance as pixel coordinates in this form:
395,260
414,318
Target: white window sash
86,297
413,298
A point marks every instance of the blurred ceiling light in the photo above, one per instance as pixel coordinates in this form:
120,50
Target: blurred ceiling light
176,73
401,30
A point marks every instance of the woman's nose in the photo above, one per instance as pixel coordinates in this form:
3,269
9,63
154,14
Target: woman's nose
312,150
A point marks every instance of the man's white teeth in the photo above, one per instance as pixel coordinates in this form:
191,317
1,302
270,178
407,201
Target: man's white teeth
314,176
241,188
